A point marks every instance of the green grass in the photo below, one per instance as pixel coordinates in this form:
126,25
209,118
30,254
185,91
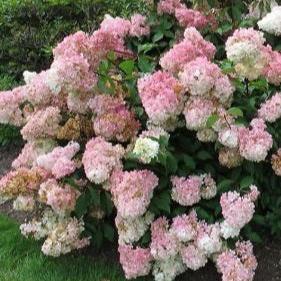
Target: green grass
21,260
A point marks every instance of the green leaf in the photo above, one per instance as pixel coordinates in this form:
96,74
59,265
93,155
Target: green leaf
82,204
162,201
224,185
204,155
163,141
260,84
189,162
145,65
104,87
95,196
236,12
162,157
111,56
203,214
246,182
108,231
106,203
146,238
227,66
71,182
224,28
212,120
169,34
165,24
172,163
260,220
278,47
139,111
127,66
254,237
104,67
235,111
157,37
146,47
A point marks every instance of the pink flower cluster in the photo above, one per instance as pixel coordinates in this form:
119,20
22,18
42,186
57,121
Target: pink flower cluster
189,17
184,227
61,199
10,111
255,142
208,239
113,120
139,26
197,111
100,159
192,46
168,6
186,17
252,143
135,262
163,243
31,151
59,161
270,110
161,95
211,92
185,244
237,264
186,191
136,26
200,77
37,89
132,191
42,124
272,71
238,211
193,258
189,191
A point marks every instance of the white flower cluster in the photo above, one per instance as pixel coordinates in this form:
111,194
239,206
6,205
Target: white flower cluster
132,229
24,203
271,23
228,231
167,270
246,55
63,233
146,149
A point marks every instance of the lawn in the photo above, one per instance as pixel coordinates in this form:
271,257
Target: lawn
21,260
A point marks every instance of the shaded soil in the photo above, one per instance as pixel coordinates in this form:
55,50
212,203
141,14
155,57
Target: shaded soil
268,255
7,155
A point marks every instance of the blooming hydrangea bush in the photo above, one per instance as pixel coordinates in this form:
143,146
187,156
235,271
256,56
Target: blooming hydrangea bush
112,129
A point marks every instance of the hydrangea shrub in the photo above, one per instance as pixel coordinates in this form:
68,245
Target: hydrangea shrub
132,130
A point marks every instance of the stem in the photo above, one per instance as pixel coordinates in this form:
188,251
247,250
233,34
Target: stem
126,53
227,121
247,86
103,75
